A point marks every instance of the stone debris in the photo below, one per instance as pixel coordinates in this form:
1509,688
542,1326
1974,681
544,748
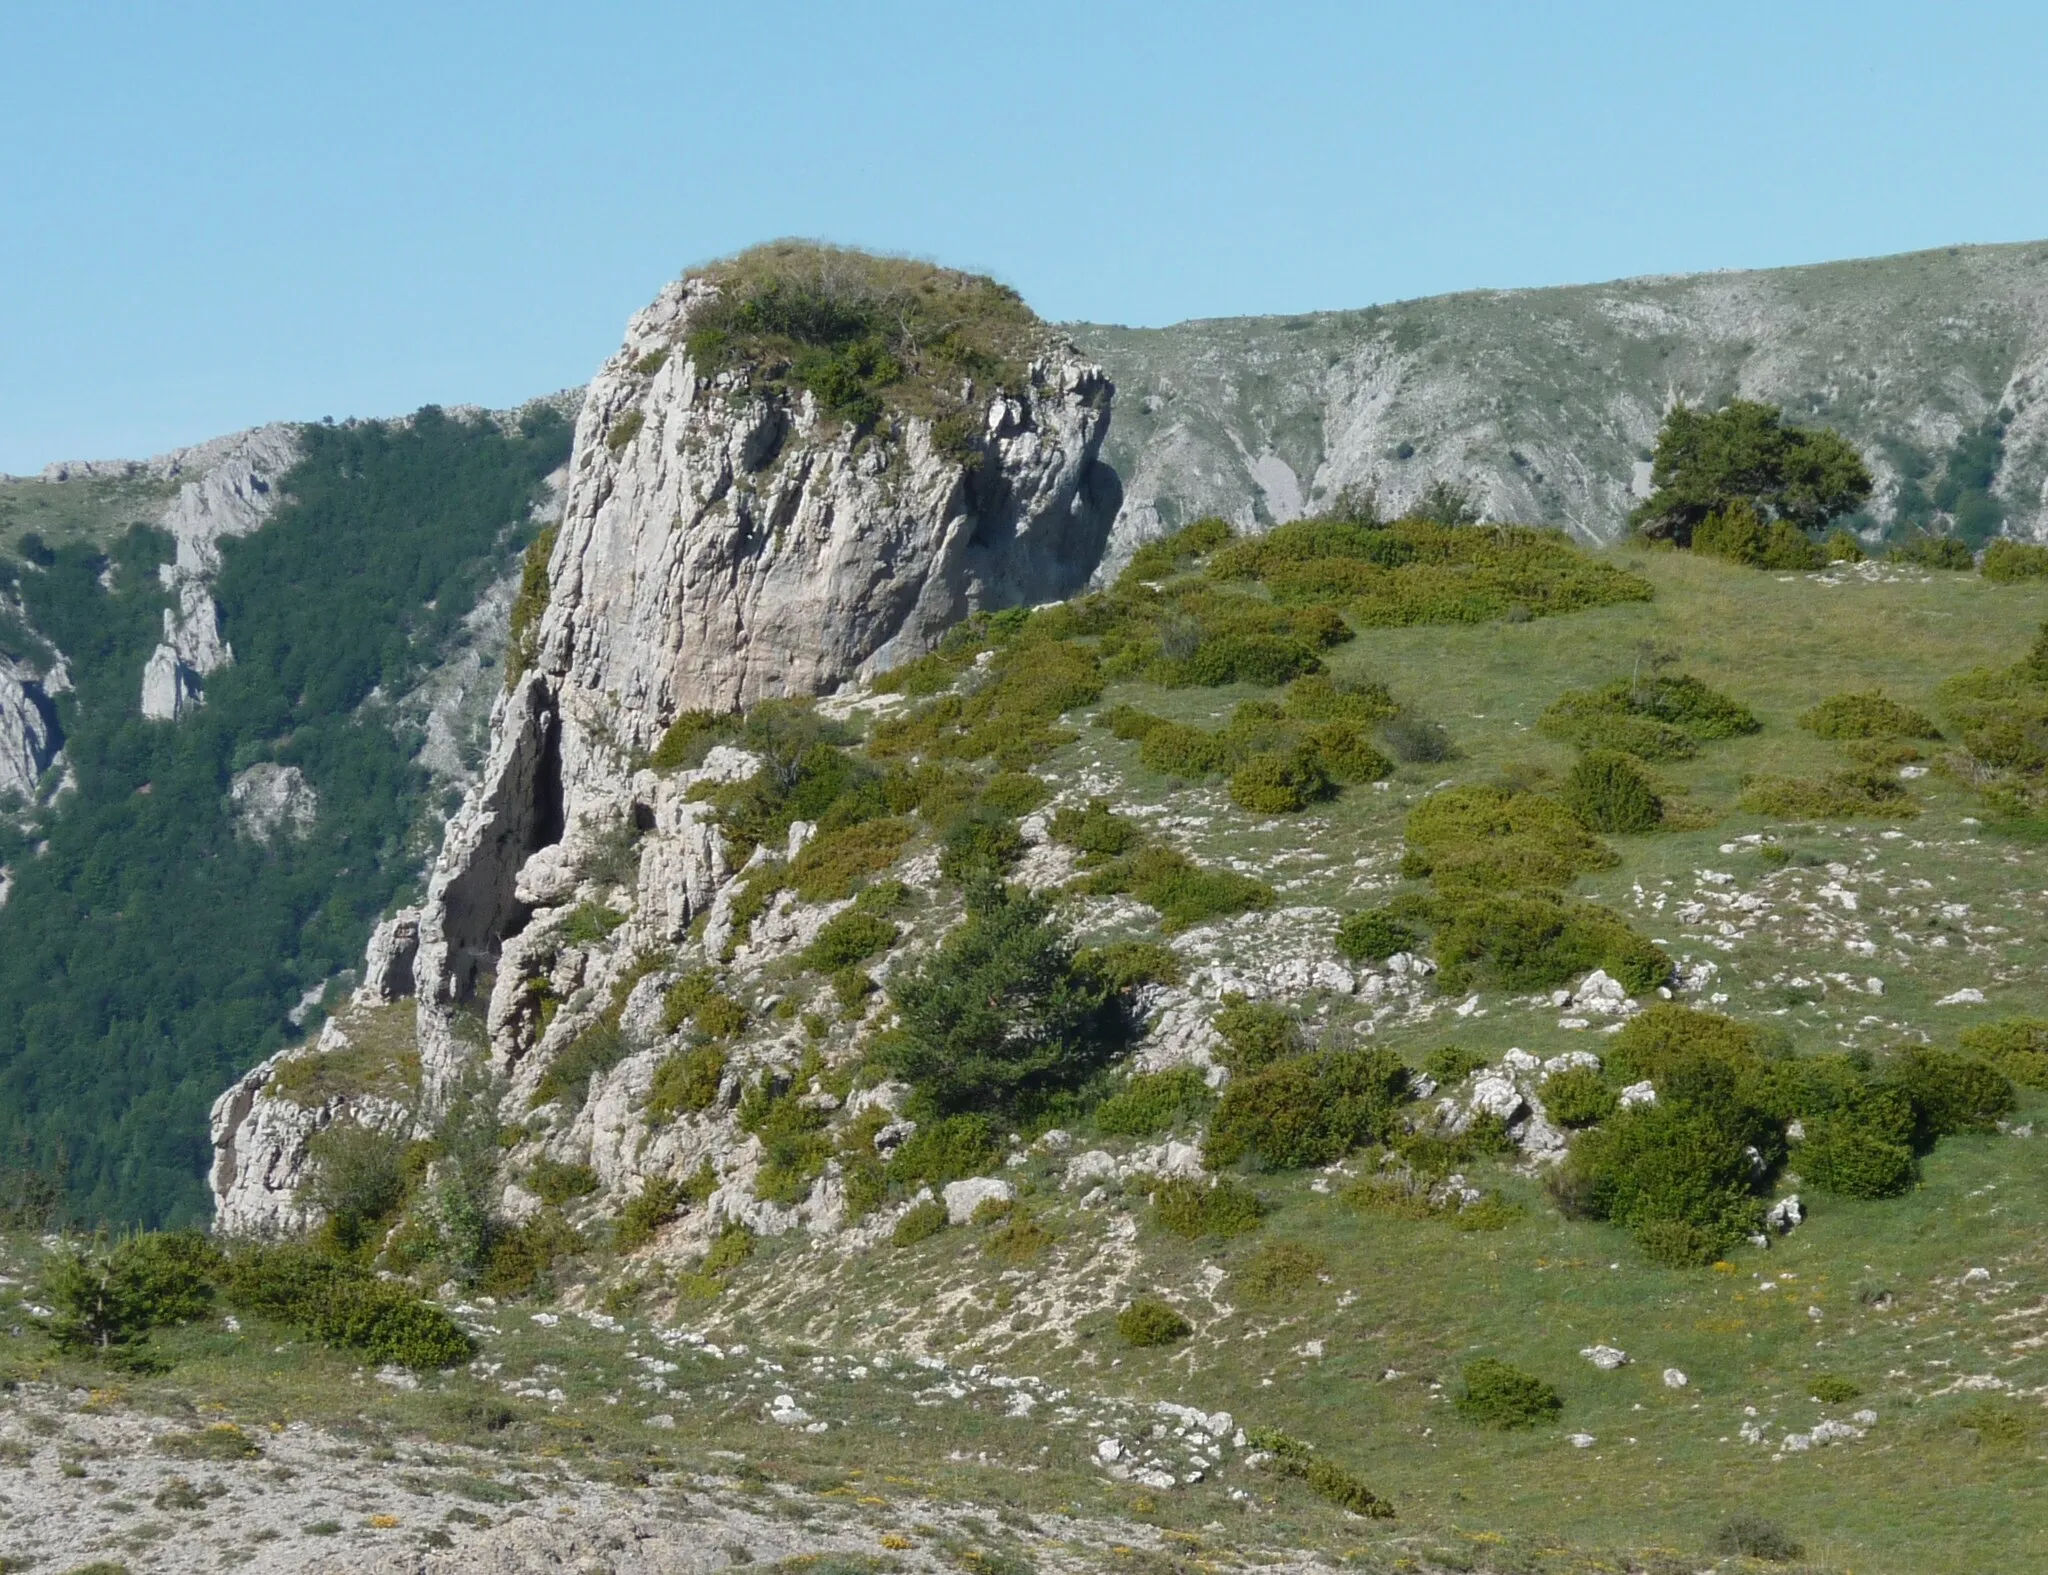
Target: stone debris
1674,1378
964,1197
1605,1357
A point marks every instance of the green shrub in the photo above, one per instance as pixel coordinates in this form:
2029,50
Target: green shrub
851,987
1935,552
1279,1269
848,938
1317,697
597,1049
1194,1209
1537,941
107,1301
345,1307
2009,561
1496,1394
1417,741
1347,1490
1018,1239
949,1149
1657,718
1578,1097
1753,1537
1680,1244
590,922
1345,754
1014,792
686,1083
518,1261
1126,965
1264,659
1450,1065
522,644
1842,795
1153,1102
222,1442
1608,792
1950,1092
688,739
556,1183
982,846
357,1179
1491,838
658,1201
1842,547
1668,1162
835,863
2016,1046
1184,893
919,1223
1177,750
1280,783
1000,1018
1097,833
1374,936
1308,1109
1255,1033
2002,1426
1145,1323
1869,714
1830,1390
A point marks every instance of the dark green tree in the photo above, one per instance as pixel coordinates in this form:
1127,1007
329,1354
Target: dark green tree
1743,453
1001,1019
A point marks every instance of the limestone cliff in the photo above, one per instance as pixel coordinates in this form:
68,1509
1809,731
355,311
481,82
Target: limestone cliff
725,538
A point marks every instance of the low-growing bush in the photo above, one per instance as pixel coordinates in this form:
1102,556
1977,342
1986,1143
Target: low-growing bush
1146,1323
357,1179
1018,1239
1414,740
1014,792
222,1442
1319,698
1680,1244
596,1050
687,1082
1279,1269
1255,1033
982,846
1325,1478
949,1149
343,1306
1177,750
1867,714
1183,892
1485,838
1154,1102
1450,1065
1578,1097
689,738
1374,936
1831,1390
2016,1046
1098,833
658,1201
1194,1209
1950,1092
1657,718
848,938
1935,552
107,1300
919,1223
1496,1394
1126,965
1608,791
2008,561
835,863
1307,1109
1842,795
1280,783
556,1183
1753,1537
1537,941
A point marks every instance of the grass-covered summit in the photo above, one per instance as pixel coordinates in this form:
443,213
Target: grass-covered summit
866,334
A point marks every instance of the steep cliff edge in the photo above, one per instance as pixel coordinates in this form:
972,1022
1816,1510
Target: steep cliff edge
757,506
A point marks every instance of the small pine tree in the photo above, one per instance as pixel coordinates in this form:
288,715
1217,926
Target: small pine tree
1608,792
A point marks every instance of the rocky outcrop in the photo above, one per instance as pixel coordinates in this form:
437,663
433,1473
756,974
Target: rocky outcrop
270,800
28,731
232,494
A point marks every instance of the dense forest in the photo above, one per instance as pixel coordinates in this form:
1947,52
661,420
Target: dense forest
149,952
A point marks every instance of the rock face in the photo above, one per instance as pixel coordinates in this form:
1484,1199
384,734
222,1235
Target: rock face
1544,402
719,544
736,546
271,800
232,495
28,731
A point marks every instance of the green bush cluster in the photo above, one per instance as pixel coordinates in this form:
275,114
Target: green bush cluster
1255,1033
343,1306
1183,892
1154,1102
1011,716
919,1223
1325,1478
596,1050
2016,1046
1656,718
107,1300
529,606
837,862
658,1201
357,1178
1374,936
1125,966
1170,554
1868,714
1578,1097
557,1183
1499,1395
2009,561
686,1082
1096,832
1194,1209
1935,552
1307,1109
950,1148
1537,941
1280,1269
1420,572
1840,795
795,1142
1609,792
1482,838
689,738
848,938
1753,1536
1739,534
1145,1323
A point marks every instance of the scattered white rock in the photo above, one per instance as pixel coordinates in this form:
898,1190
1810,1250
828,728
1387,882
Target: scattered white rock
1674,1378
964,1197
1583,1440
1605,1357
1783,1215
1962,998
1643,1093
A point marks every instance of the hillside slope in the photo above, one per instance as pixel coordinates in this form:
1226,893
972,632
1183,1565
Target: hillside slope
1544,401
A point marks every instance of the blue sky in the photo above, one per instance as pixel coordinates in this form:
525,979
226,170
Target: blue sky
213,215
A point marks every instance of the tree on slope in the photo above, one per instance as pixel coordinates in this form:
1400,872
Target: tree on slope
1742,463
